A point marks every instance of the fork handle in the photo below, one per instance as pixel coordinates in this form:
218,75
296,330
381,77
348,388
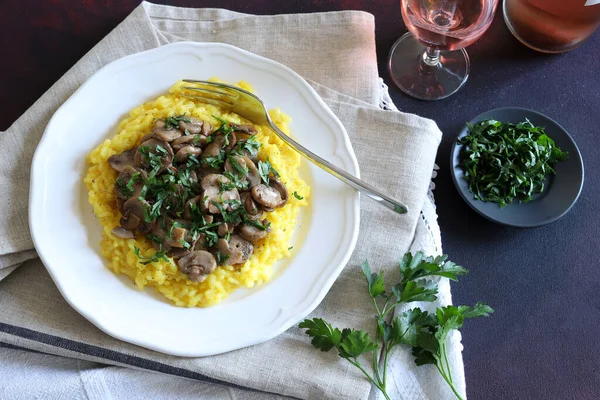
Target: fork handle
342,175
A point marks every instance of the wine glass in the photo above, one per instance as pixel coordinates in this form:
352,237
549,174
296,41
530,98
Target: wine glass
430,62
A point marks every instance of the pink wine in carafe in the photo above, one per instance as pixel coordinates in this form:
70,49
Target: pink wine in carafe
552,26
448,24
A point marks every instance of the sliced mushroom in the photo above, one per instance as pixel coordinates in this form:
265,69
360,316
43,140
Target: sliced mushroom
202,172
224,229
130,222
178,253
193,126
133,213
177,238
212,193
273,196
223,248
236,165
249,204
214,148
244,128
159,237
253,233
186,151
207,128
258,216
201,243
189,205
276,184
193,178
122,188
253,176
154,146
240,249
197,265
122,233
231,141
188,237
166,135
195,140
120,161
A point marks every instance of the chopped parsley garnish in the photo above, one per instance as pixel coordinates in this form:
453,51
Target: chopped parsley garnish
127,188
154,158
173,122
265,169
250,146
235,216
504,161
157,256
184,177
296,195
237,178
209,230
225,127
192,162
257,224
215,162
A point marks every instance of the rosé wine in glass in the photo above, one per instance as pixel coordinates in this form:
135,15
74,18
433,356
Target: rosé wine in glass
429,63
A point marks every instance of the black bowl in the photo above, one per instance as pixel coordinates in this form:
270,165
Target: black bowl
562,189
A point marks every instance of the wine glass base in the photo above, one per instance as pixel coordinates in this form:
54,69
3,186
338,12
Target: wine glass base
422,81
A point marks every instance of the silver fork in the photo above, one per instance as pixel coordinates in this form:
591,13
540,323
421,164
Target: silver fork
249,106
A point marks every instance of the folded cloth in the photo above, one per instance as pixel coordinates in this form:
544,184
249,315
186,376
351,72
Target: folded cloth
335,52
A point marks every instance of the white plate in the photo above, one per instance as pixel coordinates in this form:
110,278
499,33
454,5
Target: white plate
67,235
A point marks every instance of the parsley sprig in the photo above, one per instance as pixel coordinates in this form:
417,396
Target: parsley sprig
425,333
504,161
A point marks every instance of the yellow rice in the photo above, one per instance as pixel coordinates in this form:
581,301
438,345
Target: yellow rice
164,276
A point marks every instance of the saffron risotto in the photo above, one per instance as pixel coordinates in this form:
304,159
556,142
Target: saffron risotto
164,276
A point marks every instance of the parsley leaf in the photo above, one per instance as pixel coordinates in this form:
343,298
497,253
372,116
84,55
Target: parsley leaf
419,266
375,281
324,336
356,342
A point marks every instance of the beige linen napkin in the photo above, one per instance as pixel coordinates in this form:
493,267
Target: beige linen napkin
396,151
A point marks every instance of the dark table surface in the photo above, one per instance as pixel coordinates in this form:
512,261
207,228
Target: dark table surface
543,341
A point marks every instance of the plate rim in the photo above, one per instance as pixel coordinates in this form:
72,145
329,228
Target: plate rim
37,200
455,152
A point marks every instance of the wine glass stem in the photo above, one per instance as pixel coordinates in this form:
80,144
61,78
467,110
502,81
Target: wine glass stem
431,56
